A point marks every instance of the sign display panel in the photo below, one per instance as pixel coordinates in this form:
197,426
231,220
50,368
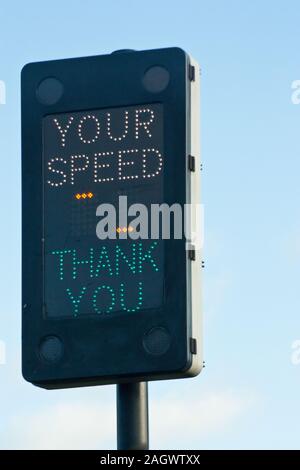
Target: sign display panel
93,158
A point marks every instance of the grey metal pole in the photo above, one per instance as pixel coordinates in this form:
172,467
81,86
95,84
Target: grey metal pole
132,416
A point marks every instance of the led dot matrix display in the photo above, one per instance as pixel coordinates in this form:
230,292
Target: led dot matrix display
89,159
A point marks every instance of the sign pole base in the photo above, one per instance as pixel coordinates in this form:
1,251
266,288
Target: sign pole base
132,416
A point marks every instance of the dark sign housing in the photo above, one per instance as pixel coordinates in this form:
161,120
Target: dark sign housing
95,131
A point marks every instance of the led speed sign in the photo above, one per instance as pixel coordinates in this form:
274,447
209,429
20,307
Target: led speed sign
106,144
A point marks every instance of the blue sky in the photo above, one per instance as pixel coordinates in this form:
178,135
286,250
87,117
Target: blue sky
248,395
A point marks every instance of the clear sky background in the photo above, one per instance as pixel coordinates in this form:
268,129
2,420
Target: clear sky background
248,395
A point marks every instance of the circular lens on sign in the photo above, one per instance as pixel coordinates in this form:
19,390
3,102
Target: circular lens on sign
156,79
51,349
157,341
49,91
